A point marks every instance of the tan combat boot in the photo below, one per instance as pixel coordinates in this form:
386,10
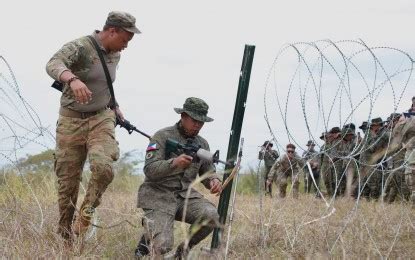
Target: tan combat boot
83,221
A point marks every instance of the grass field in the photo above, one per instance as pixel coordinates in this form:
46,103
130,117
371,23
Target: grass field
303,228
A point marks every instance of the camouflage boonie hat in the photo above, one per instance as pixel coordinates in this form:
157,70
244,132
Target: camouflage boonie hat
347,131
364,125
394,116
196,108
350,126
310,142
335,130
123,20
376,121
267,143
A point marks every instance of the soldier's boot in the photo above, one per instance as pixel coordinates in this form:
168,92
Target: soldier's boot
142,247
83,221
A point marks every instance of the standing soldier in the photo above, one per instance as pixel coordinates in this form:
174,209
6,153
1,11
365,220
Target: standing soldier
269,156
334,161
288,166
374,170
311,156
412,108
395,183
349,166
85,128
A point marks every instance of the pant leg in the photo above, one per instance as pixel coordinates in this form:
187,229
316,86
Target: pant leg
159,228
102,152
295,184
70,156
202,215
282,185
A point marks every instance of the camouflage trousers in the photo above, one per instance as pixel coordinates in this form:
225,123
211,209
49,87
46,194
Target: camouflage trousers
282,183
410,168
328,177
268,189
159,225
77,139
396,185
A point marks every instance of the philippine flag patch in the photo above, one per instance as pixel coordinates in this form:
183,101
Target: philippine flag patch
151,147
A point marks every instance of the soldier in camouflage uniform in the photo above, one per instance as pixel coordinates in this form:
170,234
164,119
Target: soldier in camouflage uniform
166,188
85,126
311,155
328,156
349,165
288,166
269,156
395,183
373,171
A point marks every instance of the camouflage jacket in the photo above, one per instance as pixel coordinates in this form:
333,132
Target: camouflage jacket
312,156
285,167
81,58
269,156
164,185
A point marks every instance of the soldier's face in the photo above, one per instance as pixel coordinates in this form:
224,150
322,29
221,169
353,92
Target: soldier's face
290,153
190,125
119,39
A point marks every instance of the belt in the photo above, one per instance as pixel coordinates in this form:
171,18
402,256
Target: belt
63,111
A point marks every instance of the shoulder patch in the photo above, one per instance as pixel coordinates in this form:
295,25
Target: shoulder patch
152,147
149,155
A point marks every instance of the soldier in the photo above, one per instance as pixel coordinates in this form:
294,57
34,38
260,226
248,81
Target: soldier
412,108
166,188
86,123
311,155
403,136
269,156
373,172
348,145
288,166
395,183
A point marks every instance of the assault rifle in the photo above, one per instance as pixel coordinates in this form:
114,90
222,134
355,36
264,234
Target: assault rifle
192,149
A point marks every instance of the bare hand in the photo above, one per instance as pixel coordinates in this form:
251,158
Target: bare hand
268,183
182,161
82,94
215,186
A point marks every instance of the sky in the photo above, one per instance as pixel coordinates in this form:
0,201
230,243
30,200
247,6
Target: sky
195,48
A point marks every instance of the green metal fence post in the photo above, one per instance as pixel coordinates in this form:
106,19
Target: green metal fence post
235,135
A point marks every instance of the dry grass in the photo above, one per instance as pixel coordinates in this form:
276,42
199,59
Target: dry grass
28,219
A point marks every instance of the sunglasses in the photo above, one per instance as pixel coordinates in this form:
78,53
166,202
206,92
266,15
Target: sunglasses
290,151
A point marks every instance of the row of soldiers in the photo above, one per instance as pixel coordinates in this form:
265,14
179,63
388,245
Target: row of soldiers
381,163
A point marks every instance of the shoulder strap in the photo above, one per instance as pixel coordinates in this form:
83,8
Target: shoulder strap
107,74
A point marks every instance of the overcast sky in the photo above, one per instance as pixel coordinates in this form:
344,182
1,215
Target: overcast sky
195,48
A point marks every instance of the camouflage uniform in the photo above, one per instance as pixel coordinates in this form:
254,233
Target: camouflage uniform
269,156
326,165
283,169
311,156
404,134
85,130
163,194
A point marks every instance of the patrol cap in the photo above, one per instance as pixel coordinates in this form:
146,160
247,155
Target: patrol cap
267,143
123,20
376,121
196,108
310,142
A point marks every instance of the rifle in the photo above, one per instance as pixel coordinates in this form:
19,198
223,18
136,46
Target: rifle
192,149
